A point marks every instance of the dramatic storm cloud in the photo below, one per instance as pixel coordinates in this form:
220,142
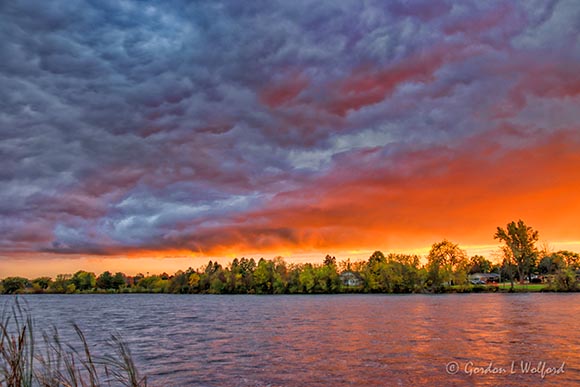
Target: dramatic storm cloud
217,128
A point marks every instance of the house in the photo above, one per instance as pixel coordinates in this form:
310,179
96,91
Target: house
484,277
351,279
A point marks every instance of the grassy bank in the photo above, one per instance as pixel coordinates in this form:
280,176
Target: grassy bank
525,287
504,287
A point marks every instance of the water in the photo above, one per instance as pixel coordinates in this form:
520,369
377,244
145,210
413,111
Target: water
333,340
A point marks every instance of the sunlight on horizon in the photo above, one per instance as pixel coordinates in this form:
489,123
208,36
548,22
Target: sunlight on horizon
164,262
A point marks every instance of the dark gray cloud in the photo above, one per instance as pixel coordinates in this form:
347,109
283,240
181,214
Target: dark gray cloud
142,125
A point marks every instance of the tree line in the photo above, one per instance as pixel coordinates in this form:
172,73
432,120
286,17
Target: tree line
447,268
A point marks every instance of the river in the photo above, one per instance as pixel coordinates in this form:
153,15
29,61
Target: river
332,340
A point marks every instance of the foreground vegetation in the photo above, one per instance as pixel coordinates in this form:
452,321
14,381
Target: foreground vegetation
27,361
447,269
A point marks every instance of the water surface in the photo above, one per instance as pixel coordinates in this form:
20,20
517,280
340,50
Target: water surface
333,340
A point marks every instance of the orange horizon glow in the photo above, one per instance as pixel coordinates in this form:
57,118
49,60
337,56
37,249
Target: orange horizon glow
161,262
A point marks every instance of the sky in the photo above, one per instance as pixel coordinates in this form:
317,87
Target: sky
155,135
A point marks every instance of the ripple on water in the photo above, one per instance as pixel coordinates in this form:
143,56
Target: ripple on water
342,340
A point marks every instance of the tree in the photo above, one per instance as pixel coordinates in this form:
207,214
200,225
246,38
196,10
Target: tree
280,276
345,265
329,260
61,284
572,259
119,280
263,276
508,265
247,268
218,284
327,279
479,264
447,264
520,239
153,284
407,272
307,278
235,277
105,280
376,257
562,265
42,283
179,283
551,263
84,280
13,285
193,281
565,280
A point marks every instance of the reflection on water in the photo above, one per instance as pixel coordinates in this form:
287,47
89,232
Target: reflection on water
334,340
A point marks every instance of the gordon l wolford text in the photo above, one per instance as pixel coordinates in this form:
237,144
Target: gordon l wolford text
540,368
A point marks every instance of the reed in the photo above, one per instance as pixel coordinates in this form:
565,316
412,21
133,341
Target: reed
23,363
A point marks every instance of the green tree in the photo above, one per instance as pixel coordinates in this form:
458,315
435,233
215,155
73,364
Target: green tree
407,276
520,239
552,263
294,285
280,276
565,280
212,279
376,274
105,281
263,276
307,278
447,264
60,284
84,280
562,266
71,288
217,284
119,281
13,285
247,268
234,277
508,265
153,284
179,283
479,264
42,283
376,257
572,259
327,279
194,280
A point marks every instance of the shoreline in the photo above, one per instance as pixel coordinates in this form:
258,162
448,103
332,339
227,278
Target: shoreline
473,290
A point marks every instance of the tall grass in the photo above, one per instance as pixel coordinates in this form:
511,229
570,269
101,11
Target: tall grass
23,363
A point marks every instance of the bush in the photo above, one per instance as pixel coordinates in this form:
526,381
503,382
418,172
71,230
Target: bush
564,281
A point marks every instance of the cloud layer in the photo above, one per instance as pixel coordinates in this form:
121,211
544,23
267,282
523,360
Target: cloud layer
133,128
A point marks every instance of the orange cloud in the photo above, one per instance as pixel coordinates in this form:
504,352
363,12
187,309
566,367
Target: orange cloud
412,199
402,199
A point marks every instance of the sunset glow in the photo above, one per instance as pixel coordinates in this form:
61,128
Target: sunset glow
153,138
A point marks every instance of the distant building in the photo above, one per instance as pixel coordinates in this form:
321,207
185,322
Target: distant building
484,277
351,279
